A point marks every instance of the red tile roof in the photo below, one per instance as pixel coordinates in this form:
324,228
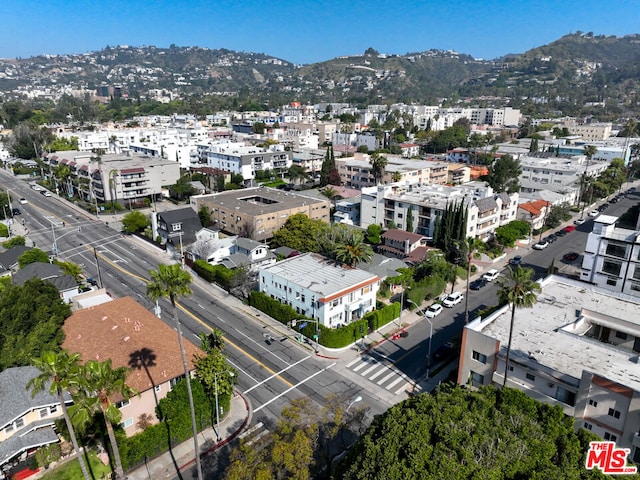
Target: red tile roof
120,330
535,207
401,235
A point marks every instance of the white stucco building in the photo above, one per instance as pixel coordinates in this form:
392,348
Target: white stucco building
322,289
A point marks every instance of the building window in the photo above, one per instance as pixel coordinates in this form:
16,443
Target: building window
44,412
123,403
477,380
157,388
612,281
611,267
176,226
593,402
609,436
621,335
19,423
127,423
8,429
480,357
565,396
613,413
616,250
531,377
588,426
53,409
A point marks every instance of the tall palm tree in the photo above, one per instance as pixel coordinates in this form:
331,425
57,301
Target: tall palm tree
396,176
353,250
60,372
170,281
589,151
378,164
519,289
100,382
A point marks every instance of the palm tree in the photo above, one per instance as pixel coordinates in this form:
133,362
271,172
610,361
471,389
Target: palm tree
589,151
470,245
519,289
170,281
60,372
451,275
354,250
212,341
100,383
378,164
396,176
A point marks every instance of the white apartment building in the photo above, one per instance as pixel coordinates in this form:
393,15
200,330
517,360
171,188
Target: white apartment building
560,174
591,132
388,205
122,178
441,118
612,257
243,160
577,347
321,289
356,171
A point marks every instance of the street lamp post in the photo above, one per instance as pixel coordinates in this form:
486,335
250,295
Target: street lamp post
215,383
355,400
430,337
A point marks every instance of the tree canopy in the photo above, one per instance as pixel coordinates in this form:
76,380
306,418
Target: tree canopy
459,433
300,233
135,222
31,317
504,173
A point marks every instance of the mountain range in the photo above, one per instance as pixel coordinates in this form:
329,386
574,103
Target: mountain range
573,74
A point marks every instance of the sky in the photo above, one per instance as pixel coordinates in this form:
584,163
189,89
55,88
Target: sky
307,32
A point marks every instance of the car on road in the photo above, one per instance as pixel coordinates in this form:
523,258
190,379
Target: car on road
37,188
579,221
517,260
570,257
433,311
444,351
569,228
561,233
16,211
23,201
551,238
491,275
478,284
46,193
541,245
614,200
593,213
452,300
603,207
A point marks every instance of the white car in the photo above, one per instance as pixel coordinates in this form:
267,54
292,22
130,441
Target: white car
579,221
594,213
46,193
23,201
37,188
541,245
452,300
433,311
491,275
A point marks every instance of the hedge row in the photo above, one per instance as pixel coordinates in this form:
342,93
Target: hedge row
219,274
328,337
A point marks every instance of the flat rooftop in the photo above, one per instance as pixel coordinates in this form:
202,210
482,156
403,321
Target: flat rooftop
318,274
551,334
258,200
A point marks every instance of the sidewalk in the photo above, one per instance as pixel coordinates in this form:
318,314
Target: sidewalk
182,455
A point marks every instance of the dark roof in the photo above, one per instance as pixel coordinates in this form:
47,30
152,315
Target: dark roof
10,257
18,443
236,260
504,196
286,252
45,271
401,235
248,244
486,204
179,215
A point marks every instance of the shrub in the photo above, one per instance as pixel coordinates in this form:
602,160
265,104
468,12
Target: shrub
223,276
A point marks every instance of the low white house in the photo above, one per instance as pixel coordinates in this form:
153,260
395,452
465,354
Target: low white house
319,288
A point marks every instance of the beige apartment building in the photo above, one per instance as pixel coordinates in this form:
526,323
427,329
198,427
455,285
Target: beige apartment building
258,212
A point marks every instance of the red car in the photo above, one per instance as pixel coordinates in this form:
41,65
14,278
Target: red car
569,228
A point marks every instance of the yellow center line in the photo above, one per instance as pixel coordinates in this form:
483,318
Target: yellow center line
197,319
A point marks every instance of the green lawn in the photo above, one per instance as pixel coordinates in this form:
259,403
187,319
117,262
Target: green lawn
71,470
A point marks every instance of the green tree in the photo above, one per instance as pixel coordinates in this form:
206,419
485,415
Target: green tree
14,241
59,373
373,234
459,433
512,231
378,164
170,281
354,250
100,383
204,214
328,166
32,256
27,141
504,174
182,189
297,174
300,233
216,376
518,289
70,268
31,317
135,222
409,219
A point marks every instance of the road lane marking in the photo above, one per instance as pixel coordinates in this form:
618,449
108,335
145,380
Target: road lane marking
274,375
293,387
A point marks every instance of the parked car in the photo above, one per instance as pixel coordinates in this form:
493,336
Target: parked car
37,188
541,245
570,257
551,238
593,213
46,193
444,351
23,201
452,300
561,233
603,207
433,311
569,228
579,221
16,211
614,200
478,284
491,275
517,260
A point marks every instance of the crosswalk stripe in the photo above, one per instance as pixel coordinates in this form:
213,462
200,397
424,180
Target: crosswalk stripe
257,437
403,388
396,381
368,370
383,369
362,365
354,361
380,382
257,426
